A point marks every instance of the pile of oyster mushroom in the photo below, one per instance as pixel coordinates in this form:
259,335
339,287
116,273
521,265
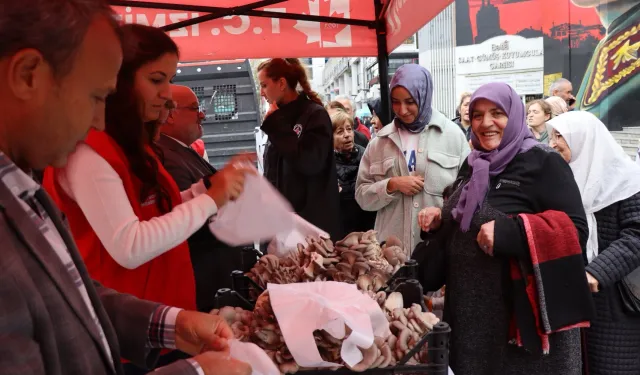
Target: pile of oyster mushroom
357,259
407,326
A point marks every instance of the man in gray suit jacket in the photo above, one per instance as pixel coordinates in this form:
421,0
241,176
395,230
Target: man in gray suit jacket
212,259
58,62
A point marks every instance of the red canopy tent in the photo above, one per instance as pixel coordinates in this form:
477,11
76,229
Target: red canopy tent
229,29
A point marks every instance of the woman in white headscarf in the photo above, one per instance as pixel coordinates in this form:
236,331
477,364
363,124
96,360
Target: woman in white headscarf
609,182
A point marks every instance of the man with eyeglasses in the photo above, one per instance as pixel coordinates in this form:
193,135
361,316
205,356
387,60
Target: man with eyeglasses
184,118
212,260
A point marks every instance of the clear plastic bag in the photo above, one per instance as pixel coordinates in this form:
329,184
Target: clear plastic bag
258,215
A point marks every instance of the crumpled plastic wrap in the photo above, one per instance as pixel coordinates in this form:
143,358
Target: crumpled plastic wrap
305,307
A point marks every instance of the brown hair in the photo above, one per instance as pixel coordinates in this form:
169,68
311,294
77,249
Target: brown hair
339,118
293,72
123,122
55,28
546,108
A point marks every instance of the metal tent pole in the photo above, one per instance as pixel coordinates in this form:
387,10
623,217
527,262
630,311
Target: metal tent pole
247,10
383,62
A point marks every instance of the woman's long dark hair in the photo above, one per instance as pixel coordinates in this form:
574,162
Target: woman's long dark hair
124,123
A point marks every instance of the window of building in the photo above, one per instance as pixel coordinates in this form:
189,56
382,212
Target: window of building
411,40
370,74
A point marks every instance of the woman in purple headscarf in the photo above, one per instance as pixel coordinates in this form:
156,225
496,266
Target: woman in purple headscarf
472,242
411,161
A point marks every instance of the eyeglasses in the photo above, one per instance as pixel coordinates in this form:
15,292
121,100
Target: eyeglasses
190,108
172,105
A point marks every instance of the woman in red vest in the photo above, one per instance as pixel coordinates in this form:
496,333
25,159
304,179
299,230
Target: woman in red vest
126,213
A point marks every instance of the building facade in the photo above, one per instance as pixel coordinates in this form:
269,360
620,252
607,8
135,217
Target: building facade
436,41
358,77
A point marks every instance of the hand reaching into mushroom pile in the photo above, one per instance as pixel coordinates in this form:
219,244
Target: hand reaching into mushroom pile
357,259
407,327
261,328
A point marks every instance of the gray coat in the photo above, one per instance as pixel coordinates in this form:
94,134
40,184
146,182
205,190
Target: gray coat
442,149
45,326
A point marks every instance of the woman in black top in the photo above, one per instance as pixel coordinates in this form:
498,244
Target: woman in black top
477,234
348,156
298,159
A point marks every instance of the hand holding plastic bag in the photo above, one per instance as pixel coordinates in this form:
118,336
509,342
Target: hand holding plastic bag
305,307
259,214
252,354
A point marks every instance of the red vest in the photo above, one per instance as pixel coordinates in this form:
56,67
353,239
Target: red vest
167,279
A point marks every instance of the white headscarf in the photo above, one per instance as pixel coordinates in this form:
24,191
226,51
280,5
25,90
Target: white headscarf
605,174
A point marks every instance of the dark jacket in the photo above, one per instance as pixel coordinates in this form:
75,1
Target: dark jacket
299,162
46,328
467,131
360,139
212,259
353,218
613,341
479,296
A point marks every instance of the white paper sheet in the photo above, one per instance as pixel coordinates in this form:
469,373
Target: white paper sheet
252,354
258,215
286,242
305,307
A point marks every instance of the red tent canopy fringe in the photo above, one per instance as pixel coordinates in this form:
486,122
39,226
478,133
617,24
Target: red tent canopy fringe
208,30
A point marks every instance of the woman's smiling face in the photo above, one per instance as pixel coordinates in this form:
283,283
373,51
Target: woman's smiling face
488,122
560,144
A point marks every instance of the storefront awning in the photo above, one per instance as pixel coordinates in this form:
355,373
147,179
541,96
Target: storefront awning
231,29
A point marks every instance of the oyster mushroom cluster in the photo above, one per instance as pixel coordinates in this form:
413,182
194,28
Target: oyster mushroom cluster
357,259
240,320
268,336
261,328
407,326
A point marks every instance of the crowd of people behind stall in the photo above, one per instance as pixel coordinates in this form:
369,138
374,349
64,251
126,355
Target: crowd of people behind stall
528,214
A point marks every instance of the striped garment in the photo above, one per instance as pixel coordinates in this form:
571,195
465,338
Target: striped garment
551,292
162,325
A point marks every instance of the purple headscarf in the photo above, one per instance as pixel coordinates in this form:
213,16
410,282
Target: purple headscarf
417,80
516,138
